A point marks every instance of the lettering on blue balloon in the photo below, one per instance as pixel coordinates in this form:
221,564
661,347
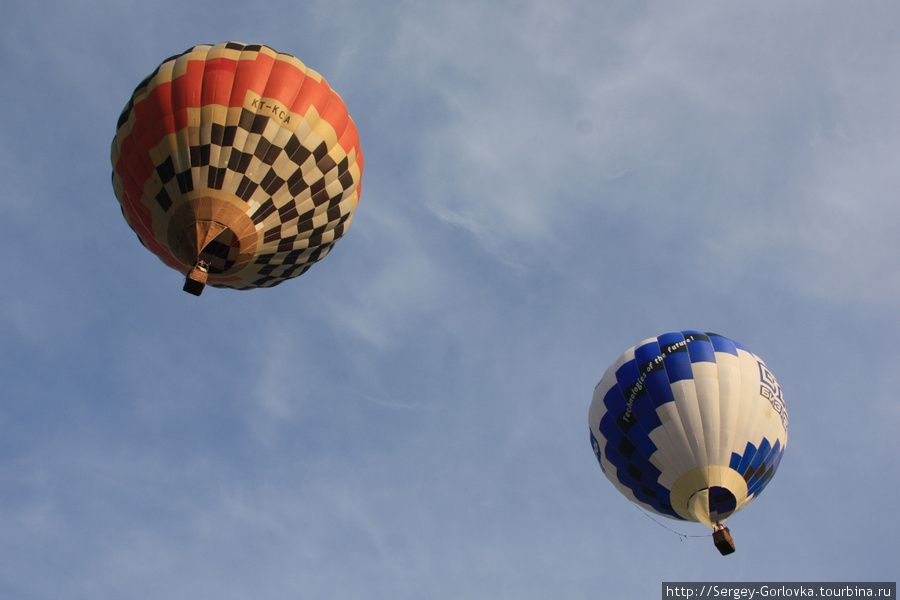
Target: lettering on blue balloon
637,388
771,391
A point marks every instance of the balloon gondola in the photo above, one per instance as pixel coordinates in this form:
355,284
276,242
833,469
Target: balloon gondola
236,165
691,426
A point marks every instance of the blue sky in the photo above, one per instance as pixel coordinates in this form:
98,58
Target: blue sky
546,184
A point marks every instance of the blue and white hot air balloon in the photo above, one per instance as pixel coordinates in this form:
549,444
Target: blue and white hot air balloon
691,426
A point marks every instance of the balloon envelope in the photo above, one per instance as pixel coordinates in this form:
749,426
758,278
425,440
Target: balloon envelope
689,425
239,159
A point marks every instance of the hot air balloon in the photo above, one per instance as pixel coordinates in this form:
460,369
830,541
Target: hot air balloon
236,165
690,426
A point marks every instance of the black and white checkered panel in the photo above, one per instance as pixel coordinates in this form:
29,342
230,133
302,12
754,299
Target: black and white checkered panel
308,206
297,196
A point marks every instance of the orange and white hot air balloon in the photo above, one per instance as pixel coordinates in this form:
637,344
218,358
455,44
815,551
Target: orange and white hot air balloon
236,165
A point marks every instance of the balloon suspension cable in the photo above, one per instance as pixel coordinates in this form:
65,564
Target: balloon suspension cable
683,536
